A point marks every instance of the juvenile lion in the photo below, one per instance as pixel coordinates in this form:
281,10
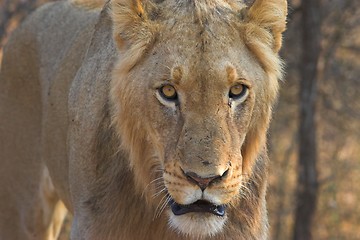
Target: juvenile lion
146,120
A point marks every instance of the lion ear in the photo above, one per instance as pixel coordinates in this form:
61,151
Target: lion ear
269,15
131,27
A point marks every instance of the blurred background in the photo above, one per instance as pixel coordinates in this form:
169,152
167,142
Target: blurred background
314,140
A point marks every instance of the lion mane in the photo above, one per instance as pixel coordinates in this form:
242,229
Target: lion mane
145,119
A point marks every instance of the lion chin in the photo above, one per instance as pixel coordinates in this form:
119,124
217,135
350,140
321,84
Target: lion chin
197,225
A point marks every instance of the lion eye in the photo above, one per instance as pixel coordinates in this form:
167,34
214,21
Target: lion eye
168,92
237,91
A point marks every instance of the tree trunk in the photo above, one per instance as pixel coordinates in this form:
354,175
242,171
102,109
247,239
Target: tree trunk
307,185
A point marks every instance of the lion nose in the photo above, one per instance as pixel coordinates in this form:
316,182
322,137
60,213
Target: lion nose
203,182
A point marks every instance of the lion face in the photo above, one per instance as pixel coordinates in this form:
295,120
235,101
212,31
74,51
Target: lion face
202,110
191,104
195,112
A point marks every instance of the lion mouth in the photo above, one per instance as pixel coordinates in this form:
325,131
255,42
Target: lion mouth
198,206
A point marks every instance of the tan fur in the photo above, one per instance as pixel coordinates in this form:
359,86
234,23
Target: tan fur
87,126
89,4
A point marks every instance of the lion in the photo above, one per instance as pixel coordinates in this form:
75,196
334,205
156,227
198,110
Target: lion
145,119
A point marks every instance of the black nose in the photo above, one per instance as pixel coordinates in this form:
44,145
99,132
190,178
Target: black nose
203,182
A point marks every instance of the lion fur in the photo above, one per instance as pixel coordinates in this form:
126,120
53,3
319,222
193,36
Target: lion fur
72,132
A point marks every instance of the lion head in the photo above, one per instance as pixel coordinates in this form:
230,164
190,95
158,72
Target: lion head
191,98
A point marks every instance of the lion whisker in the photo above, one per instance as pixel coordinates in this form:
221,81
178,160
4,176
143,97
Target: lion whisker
164,205
245,191
159,192
161,171
159,187
156,180
159,206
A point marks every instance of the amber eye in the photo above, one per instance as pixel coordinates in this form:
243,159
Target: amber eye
237,91
168,92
